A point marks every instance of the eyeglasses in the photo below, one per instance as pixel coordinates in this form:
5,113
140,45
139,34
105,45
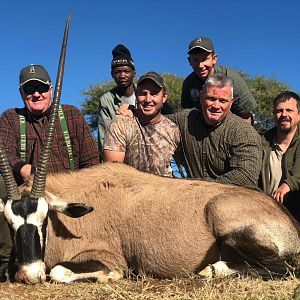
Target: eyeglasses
41,88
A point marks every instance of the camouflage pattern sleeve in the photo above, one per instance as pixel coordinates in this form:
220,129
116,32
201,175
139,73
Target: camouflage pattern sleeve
115,137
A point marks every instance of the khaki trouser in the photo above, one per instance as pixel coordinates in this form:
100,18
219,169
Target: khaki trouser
5,239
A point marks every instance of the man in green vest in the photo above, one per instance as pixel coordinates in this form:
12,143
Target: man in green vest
24,131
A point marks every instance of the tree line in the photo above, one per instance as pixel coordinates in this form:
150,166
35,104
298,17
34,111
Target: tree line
263,89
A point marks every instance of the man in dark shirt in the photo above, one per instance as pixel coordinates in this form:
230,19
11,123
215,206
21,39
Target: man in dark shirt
203,59
23,132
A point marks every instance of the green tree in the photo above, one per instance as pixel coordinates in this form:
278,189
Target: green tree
90,106
264,91
174,85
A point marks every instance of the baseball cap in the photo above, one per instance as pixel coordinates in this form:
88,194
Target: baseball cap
153,76
201,43
34,72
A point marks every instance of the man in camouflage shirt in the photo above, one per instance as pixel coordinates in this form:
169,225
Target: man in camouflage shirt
148,140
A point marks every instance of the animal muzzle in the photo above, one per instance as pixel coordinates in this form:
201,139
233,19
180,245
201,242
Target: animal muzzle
32,273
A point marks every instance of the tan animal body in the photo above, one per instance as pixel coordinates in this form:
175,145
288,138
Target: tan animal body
160,226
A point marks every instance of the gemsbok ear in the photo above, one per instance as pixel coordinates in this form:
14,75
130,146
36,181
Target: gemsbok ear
73,210
76,210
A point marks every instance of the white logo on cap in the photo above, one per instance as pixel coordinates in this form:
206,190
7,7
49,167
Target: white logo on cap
199,40
31,70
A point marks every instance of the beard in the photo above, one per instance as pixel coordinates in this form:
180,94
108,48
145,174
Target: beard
284,129
287,127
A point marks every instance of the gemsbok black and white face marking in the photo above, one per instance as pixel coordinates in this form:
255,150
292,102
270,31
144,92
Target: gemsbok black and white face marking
28,220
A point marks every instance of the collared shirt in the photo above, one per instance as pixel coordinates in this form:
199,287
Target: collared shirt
290,162
290,169
275,170
109,103
85,152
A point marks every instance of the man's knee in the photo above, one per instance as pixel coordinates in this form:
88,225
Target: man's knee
5,238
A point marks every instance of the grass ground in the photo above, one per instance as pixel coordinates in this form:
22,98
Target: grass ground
148,288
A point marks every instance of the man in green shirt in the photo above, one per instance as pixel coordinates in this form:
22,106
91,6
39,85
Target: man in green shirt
203,59
280,176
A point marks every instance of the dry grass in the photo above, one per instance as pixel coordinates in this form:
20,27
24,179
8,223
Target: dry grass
148,288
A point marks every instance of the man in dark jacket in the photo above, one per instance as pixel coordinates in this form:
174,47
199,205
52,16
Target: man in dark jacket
203,59
280,176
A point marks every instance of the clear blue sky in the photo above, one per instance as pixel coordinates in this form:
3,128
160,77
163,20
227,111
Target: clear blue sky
257,37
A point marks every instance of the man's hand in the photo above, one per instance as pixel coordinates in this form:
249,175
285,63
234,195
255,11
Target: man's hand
114,156
248,118
280,192
26,171
124,110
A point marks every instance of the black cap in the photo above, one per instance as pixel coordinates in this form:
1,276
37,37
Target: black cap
201,43
34,72
121,57
155,77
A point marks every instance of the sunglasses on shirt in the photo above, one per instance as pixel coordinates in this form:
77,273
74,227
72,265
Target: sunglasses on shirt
41,88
